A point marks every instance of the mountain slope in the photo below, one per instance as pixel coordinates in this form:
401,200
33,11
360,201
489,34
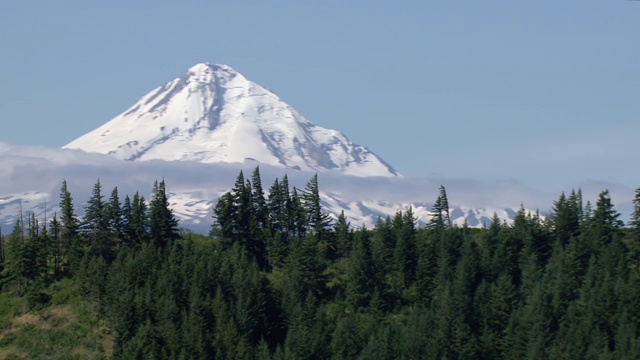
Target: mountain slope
214,114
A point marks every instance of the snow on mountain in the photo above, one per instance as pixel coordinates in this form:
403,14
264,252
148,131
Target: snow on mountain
11,205
194,209
366,213
198,131
213,114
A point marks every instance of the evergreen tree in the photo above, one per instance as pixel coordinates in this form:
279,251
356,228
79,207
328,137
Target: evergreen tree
244,221
343,235
298,222
276,208
259,201
18,260
135,218
440,217
360,273
566,215
56,244
317,220
69,230
126,217
233,214
114,214
222,226
41,250
405,256
632,239
95,225
604,225
163,225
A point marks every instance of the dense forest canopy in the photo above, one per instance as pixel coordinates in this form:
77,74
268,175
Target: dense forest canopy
277,278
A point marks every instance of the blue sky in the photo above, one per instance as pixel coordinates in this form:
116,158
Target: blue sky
542,92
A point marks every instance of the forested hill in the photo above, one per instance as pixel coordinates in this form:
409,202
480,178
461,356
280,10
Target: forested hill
277,279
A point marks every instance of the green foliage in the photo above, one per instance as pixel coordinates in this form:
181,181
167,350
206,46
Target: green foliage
163,225
70,244
277,280
440,218
317,220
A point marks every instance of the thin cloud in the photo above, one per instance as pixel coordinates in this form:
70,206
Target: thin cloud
36,173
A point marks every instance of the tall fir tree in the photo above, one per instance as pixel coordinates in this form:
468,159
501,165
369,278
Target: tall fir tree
223,213
163,225
95,225
632,239
440,217
343,235
259,201
276,208
317,220
405,255
298,220
71,245
136,227
604,224
56,245
566,214
115,218
242,219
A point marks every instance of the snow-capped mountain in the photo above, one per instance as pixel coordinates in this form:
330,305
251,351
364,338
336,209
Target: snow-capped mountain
213,114
202,129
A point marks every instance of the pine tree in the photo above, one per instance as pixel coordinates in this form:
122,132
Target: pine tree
69,230
135,216
115,217
441,218
318,221
95,225
343,235
604,224
566,217
40,248
360,273
126,217
27,257
234,218
259,201
276,208
405,256
223,214
244,221
298,221
163,225
383,243
632,239
56,245
17,259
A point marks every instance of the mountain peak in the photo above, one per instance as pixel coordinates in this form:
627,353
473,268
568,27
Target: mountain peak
206,72
206,66
214,114
202,67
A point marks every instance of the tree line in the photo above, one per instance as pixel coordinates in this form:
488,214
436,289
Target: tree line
277,278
